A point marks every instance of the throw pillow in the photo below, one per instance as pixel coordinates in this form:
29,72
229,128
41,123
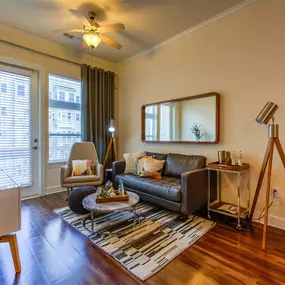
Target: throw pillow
88,163
81,167
131,159
153,165
139,164
147,174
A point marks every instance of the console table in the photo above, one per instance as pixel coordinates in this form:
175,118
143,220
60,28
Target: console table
10,215
218,204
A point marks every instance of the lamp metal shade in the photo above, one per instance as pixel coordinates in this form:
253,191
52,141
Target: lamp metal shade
267,113
112,126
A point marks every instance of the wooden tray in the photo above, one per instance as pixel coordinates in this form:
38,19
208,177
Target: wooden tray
112,199
237,168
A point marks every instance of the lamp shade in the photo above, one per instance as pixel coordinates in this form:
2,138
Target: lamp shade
266,113
92,40
112,126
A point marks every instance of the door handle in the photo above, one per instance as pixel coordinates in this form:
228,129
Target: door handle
34,147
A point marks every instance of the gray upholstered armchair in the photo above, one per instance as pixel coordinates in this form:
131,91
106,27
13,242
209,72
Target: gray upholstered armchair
81,150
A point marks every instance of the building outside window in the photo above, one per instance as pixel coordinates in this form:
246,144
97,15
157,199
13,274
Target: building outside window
3,111
61,96
21,90
65,115
3,88
71,98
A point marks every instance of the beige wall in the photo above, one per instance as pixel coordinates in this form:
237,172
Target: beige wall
45,65
241,57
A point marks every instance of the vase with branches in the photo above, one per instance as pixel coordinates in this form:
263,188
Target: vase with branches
196,130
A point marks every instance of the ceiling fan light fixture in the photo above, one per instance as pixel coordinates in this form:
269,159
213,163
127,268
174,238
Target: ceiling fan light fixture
92,40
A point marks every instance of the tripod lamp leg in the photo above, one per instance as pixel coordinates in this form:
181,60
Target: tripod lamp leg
260,179
267,194
107,153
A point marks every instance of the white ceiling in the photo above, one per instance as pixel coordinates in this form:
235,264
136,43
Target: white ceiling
148,22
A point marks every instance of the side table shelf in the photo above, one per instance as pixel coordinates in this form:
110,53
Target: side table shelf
215,205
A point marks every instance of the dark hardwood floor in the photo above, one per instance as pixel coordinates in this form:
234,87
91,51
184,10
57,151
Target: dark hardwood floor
52,252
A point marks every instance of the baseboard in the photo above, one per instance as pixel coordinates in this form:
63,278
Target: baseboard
274,221
53,189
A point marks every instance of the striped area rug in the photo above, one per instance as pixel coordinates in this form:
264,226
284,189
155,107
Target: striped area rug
149,246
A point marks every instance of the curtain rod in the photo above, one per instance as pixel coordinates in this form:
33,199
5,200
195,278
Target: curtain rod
43,53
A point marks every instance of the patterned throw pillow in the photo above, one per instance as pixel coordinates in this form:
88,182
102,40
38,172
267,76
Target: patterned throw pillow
147,174
81,167
153,165
139,164
131,159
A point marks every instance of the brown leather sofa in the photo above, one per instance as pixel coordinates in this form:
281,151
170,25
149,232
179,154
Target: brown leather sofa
183,187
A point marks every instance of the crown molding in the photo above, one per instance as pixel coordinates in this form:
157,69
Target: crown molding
227,13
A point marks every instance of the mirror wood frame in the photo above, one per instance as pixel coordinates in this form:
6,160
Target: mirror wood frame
210,94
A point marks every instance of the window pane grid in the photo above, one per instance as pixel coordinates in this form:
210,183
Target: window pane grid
64,116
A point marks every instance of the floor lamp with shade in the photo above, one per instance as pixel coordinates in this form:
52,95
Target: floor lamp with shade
112,142
265,116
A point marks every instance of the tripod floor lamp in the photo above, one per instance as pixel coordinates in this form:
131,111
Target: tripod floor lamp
263,118
111,143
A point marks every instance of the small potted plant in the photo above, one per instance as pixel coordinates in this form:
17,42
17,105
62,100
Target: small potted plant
197,131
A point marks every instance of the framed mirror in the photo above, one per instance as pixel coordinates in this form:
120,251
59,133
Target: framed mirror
192,120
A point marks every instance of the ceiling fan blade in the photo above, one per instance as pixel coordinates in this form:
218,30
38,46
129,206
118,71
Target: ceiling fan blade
69,31
85,45
110,42
80,17
111,28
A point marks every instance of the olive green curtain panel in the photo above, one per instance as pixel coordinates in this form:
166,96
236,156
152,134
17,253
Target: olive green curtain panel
98,92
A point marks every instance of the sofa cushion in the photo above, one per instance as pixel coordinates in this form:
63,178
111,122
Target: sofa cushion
131,159
159,156
167,187
82,178
176,164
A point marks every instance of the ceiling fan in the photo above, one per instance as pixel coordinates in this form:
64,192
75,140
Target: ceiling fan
93,32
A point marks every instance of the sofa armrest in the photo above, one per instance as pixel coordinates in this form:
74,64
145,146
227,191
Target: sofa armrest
100,172
118,167
193,190
63,174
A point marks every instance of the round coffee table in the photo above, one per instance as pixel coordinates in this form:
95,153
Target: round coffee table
89,203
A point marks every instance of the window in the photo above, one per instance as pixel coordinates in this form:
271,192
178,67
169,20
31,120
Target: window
64,129
16,127
151,123
3,111
3,88
21,90
71,98
61,96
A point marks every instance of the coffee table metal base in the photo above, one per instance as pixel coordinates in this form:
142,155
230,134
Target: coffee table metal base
105,233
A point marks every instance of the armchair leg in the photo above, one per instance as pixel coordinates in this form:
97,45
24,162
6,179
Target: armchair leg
69,189
67,193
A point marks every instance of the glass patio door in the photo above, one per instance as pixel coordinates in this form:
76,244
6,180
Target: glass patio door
18,127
